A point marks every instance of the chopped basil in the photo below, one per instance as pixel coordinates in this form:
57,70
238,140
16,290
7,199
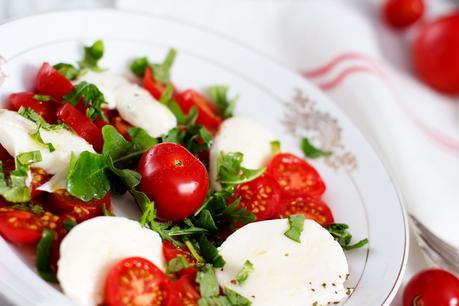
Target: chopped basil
177,264
344,238
235,298
67,70
208,285
93,98
243,274
139,65
35,208
92,55
230,172
69,224
210,253
43,254
161,71
311,151
296,223
219,95
29,158
214,301
42,98
276,147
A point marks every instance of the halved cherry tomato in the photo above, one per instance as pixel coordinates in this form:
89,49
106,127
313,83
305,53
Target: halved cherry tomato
121,126
61,232
8,161
175,179
82,125
135,281
184,292
153,86
402,13
311,208
432,287
26,99
61,202
295,176
51,82
260,196
207,114
25,227
170,251
39,177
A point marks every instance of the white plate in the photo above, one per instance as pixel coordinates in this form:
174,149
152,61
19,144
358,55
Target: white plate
360,192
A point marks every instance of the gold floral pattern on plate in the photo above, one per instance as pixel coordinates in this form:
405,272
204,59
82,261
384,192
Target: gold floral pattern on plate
303,119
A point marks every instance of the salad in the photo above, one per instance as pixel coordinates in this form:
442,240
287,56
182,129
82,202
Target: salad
227,217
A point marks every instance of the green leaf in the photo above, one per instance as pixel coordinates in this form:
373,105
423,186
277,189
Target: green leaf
276,147
243,274
219,95
161,71
141,140
92,55
93,98
67,70
43,255
238,214
210,252
195,138
235,298
29,158
296,223
177,264
87,179
42,98
214,301
230,171
208,285
139,65
34,208
311,151
205,220
69,224
339,231
33,116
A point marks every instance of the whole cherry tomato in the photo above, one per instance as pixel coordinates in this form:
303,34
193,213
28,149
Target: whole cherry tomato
51,82
175,179
435,53
432,287
402,13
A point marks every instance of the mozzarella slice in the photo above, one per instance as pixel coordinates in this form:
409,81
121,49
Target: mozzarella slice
15,137
239,134
285,272
91,248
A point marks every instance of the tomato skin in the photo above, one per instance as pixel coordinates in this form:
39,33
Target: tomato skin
260,196
184,292
61,202
170,251
432,287
39,177
312,208
402,13
26,99
435,53
135,281
207,114
175,179
51,82
82,125
295,176
8,161
155,88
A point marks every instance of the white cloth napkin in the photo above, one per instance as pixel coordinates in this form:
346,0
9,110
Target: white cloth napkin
415,129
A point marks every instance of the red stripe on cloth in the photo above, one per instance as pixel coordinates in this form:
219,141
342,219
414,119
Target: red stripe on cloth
335,61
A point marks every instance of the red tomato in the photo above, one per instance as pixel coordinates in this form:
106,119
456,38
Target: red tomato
8,161
432,287
26,99
121,126
39,177
402,13
170,251
435,53
295,176
25,227
184,292
82,125
136,281
206,112
154,87
311,208
260,196
61,202
51,82
175,179
61,232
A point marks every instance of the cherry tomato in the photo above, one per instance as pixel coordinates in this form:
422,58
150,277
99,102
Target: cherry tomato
310,207
25,227
170,251
61,202
82,125
135,281
295,176
61,232
260,196
46,109
435,53
121,126
432,287
51,82
8,161
184,292
402,13
155,87
39,177
175,179
207,114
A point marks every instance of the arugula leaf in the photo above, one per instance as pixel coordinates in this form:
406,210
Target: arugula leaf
139,65
344,238
219,95
177,264
93,98
161,71
42,98
238,214
141,140
296,223
210,253
230,172
195,138
67,70
311,151
87,178
205,220
243,274
92,55
235,298
208,285
43,254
